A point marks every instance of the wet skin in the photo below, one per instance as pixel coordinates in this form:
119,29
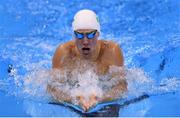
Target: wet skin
103,53
87,47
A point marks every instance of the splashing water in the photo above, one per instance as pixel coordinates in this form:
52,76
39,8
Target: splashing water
33,85
82,81
138,82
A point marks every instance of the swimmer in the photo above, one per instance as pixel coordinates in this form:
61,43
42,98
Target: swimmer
86,46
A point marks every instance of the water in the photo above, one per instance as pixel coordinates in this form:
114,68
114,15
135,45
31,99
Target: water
147,31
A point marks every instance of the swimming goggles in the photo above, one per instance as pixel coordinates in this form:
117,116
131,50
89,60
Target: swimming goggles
89,35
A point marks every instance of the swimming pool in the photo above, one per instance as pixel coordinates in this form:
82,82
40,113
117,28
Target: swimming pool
147,31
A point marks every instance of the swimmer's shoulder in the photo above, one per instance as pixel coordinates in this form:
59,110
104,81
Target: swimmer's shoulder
111,49
66,47
62,53
108,44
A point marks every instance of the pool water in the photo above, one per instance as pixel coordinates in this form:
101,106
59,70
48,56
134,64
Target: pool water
147,31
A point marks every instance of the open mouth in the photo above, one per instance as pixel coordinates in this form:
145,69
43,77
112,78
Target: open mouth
86,51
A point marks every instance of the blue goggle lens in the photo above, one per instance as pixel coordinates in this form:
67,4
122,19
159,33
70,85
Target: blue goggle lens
90,35
79,35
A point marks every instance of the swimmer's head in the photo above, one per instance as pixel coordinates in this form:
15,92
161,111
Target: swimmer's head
86,19
86,29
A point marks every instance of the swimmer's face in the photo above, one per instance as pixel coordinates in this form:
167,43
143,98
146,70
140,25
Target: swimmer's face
86,41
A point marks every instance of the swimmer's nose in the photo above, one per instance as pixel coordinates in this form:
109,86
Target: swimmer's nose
85,41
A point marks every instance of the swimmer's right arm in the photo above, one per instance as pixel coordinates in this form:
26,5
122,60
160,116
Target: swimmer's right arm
57,61
59,56
57,94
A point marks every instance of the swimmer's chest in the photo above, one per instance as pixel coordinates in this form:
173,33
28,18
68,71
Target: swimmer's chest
101,66
105,59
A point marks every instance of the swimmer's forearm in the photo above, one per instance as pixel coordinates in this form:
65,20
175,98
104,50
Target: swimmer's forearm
58,95
116,92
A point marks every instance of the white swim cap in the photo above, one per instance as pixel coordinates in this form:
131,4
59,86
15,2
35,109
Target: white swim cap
86,19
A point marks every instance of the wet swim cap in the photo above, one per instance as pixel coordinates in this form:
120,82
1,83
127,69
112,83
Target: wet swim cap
86,19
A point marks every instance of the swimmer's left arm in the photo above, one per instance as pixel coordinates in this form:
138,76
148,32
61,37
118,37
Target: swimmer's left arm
121,87
118,56
116,92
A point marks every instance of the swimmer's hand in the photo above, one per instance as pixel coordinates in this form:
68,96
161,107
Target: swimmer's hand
87,103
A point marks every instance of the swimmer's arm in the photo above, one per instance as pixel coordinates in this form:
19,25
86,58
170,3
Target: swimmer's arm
53,89
118,56
57,62
57,94
116,92
120,88
59,57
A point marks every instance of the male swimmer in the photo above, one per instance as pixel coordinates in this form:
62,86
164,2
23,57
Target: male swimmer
86,46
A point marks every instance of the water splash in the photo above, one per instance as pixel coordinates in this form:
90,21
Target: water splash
138,82
33,85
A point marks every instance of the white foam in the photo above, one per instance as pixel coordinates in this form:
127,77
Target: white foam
138,82
84,81
35,84
78,83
